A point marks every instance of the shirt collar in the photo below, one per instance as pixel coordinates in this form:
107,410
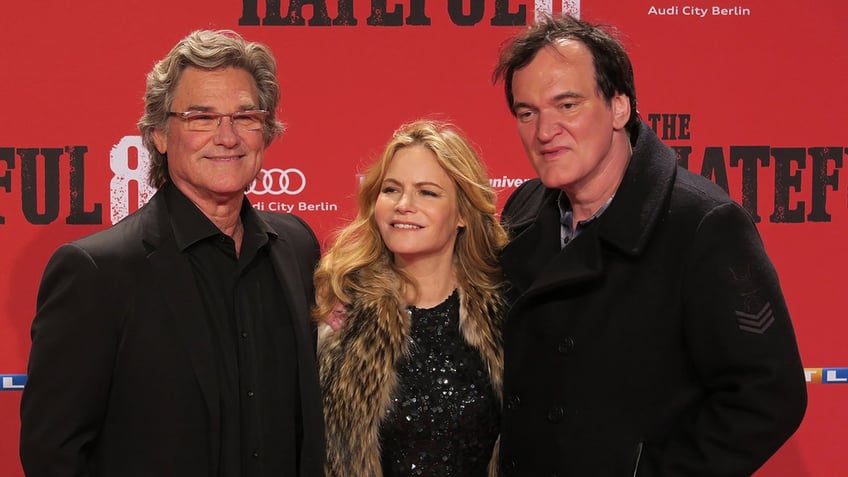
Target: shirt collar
190,225
566,218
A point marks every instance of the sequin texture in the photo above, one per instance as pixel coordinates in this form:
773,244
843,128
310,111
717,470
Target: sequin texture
445,416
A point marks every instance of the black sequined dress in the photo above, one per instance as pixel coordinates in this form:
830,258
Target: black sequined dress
446,416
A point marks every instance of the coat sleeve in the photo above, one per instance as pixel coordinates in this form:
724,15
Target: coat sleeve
742,346
70,365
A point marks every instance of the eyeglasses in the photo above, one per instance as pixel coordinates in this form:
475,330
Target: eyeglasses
204,121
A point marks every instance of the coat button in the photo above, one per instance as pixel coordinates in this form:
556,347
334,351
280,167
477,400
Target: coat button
555,414
513,402
565,346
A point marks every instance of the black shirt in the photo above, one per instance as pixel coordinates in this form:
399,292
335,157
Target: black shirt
256,360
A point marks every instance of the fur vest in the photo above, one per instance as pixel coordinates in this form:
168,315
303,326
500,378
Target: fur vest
358,374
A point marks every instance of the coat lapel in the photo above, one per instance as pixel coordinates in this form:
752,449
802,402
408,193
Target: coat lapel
529,252
534,261
577,263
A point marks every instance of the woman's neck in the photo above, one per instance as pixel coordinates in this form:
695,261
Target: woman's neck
434,284
430,295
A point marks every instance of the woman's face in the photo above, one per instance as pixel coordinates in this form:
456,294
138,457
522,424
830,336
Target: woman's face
416,211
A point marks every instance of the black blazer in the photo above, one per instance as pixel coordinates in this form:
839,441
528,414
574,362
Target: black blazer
657,343
121,379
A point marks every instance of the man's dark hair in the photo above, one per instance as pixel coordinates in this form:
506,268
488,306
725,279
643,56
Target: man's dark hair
613,70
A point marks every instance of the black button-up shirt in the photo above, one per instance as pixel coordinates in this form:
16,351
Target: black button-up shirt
256,360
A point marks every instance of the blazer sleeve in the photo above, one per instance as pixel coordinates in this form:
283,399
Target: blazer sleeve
70,365
743,349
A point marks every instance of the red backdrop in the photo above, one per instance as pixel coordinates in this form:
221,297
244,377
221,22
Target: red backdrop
747,91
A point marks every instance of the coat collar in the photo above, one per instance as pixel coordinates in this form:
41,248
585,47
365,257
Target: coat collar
642,196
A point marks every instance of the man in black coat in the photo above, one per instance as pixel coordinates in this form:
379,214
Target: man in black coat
178,342
648,335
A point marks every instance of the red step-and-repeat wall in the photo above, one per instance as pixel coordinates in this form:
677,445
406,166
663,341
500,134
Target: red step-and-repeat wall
751,92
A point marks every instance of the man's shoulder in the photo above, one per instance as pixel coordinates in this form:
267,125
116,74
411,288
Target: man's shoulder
524,202
285,223
290,227
694,190
112,251
115,237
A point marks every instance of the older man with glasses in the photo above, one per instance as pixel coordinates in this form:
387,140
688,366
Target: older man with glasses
178,342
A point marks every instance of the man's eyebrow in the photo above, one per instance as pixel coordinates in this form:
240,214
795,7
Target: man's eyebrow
567,95
557,98
206,109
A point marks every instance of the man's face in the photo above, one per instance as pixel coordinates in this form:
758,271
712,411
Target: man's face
212,166
570,133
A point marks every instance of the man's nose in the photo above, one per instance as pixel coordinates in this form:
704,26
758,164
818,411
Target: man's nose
548,126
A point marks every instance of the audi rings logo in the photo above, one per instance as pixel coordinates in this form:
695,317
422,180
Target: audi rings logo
278,181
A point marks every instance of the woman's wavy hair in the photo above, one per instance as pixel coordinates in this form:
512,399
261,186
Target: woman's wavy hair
359,263
208,50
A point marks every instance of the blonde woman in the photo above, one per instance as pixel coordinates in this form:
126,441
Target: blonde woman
412,380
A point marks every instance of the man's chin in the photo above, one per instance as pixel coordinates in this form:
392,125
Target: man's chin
553,181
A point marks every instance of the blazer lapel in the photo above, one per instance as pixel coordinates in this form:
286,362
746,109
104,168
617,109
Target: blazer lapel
291,277
171,273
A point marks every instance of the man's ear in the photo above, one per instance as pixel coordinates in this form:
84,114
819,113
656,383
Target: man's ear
620,105
160,140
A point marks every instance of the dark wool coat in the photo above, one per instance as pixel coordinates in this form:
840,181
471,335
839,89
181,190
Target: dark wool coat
122,378
657,343
358,374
